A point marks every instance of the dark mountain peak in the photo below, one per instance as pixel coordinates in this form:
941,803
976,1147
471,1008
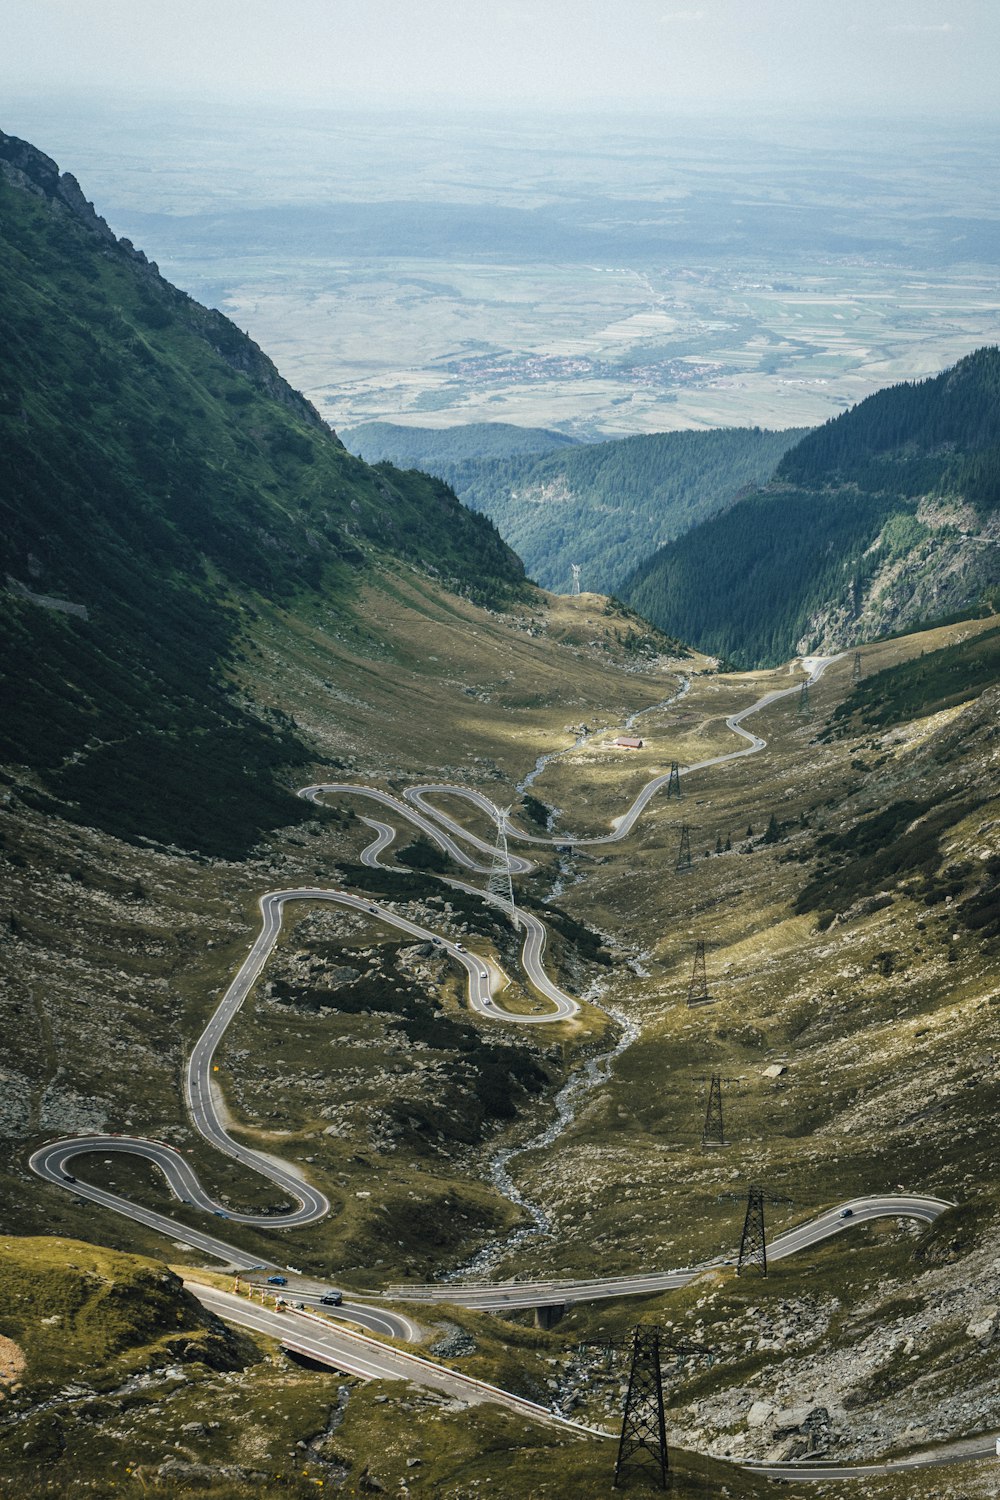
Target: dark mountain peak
882,519
24,166
981,367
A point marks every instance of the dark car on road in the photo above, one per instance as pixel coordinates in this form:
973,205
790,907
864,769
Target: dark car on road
332,1299
277,1281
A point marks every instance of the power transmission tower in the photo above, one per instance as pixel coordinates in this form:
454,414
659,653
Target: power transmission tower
698,983
575,570
753,1245
684,850
500,887
674,783
643,1442
644,1429
856,670
712,1133
804,710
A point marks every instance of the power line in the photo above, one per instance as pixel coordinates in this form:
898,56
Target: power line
712,1132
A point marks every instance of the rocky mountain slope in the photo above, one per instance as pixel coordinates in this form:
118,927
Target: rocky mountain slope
886,516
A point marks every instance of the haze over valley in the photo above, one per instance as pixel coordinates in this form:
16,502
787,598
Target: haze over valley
618,275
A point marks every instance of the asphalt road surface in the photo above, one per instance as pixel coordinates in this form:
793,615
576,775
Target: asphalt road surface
494,1296
357,1355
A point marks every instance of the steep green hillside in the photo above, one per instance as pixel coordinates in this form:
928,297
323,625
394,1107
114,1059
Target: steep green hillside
887,515
73,1308
159,476
606,506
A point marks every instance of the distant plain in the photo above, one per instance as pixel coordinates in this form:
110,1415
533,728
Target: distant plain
616,275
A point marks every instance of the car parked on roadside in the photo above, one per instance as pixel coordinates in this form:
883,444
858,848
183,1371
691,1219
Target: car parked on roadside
277,1281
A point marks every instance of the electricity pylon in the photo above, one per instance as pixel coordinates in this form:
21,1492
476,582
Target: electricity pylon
753,1244
698,983
643,1442
684,849
804,710
856,670
712,1133
500,887
674,782
575,570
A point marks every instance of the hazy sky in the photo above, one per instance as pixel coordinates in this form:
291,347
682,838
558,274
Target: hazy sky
918,57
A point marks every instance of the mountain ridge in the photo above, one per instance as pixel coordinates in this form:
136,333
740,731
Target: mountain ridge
884,518
603,506
160,477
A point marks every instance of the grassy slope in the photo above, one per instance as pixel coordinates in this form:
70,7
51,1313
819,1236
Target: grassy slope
134,959
101,940
71,1306
885,1021
127,1383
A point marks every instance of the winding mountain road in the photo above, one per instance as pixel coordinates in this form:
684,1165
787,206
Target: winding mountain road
53,1161
495,1296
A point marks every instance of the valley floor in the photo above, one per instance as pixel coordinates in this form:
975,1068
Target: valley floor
840,881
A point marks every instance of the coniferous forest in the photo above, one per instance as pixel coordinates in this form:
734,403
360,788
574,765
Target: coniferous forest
605,506
884,503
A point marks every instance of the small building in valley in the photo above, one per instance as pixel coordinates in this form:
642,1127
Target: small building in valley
627,742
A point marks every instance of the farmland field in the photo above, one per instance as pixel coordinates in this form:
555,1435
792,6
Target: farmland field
620,275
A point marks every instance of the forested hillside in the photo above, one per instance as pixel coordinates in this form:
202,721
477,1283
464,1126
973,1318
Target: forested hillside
423,447
158,477
606,506
886,516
